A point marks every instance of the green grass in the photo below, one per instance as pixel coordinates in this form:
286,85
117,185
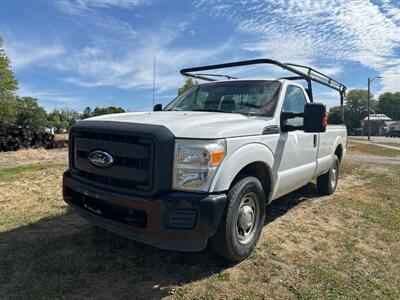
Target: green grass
344,246
355,148
13,173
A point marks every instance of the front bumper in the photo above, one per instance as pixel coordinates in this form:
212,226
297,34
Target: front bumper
177,221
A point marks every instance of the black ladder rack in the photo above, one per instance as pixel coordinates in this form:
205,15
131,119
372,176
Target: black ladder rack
303,73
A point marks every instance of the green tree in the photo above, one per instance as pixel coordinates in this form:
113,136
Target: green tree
187,85
98,111
8,83
389,104
335,115
8,110
30,113
62,119
8,87
72,115
356,104
87,113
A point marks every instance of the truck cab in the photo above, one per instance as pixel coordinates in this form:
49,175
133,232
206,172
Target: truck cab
204,169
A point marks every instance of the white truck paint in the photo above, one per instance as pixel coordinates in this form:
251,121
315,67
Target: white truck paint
291,156
179,178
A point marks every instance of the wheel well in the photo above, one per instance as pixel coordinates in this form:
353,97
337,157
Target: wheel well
261,172
339,151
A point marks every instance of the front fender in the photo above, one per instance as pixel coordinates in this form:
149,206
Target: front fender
241,157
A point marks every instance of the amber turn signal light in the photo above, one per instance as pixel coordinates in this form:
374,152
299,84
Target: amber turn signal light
217,156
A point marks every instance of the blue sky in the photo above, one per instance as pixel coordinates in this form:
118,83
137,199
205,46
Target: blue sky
78,53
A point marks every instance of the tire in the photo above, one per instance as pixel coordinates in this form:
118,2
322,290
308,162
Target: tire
242,222
327,182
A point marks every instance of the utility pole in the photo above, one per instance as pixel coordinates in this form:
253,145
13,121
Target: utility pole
369,109
369,105
154,79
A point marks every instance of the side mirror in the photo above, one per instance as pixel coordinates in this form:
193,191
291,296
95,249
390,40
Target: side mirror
315,119
289,115
157,107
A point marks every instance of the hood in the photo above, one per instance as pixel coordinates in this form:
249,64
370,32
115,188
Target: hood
202,125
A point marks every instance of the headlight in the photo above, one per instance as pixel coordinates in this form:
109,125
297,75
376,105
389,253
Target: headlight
196,162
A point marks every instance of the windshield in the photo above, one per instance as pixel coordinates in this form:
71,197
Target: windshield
256,98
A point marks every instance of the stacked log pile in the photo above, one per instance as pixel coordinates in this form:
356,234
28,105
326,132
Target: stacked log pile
13,138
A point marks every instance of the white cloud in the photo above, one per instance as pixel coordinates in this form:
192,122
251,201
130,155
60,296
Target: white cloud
55,96
391,10
130,65
305,31
119,3
135,69
23,54
94,13
330,71
292,49
390,79
51,99
77,7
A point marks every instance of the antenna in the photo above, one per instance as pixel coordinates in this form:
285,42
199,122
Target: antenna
154,79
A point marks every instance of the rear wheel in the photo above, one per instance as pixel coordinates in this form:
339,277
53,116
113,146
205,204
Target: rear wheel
327,182
243,220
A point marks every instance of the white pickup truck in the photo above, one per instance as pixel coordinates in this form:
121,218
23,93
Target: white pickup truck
205,168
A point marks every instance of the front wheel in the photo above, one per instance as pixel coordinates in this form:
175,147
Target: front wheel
327,182
243,220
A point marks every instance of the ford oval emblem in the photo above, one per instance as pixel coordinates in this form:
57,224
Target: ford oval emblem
101,159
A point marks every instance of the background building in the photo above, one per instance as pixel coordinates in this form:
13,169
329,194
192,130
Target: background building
378,124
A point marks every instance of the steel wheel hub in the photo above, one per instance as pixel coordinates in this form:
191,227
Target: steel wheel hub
247,216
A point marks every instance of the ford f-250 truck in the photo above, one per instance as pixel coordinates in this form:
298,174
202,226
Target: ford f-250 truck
205,168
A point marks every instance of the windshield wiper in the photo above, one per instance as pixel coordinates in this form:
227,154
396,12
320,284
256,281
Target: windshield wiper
213,110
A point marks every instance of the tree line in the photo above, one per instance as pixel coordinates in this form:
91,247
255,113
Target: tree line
25,111
356,108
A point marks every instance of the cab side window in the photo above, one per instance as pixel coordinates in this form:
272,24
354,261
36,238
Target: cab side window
294,102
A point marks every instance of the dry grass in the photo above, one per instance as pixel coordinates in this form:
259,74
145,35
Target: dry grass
61,137
32,156
30,192
354,148
341,246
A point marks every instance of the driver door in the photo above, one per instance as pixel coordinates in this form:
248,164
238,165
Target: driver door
296,152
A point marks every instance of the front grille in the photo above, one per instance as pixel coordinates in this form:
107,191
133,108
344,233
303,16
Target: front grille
135,149
132,166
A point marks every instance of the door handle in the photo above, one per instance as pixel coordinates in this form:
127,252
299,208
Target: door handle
315,140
